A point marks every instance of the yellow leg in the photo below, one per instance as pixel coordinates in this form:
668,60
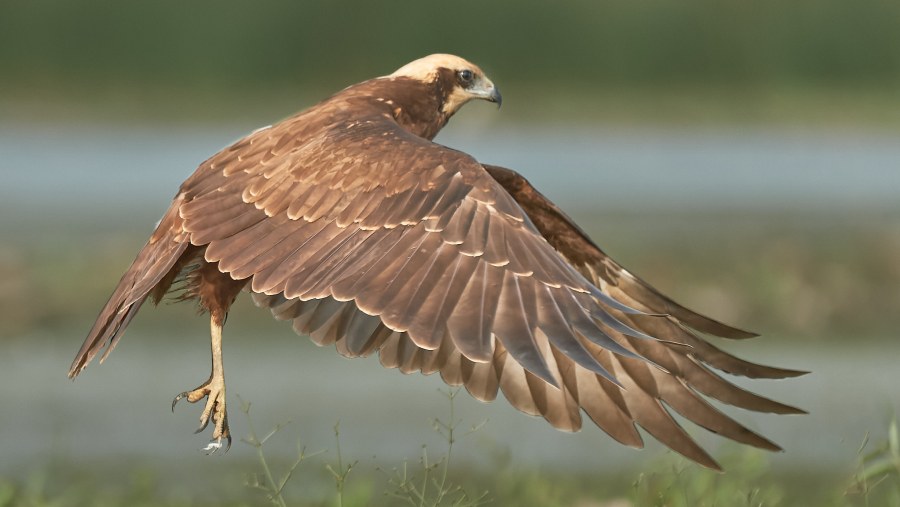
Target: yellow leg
214,392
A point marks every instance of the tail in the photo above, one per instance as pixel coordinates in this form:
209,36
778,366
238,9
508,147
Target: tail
153,263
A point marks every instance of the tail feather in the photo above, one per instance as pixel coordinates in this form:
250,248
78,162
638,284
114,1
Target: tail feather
155,260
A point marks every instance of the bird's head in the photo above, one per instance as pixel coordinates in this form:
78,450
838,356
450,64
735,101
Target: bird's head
459,80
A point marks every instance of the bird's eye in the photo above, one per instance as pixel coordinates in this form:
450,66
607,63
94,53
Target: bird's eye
466,75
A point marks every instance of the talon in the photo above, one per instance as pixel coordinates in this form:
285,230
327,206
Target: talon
223,431
214,410
203,425
213,390
177,399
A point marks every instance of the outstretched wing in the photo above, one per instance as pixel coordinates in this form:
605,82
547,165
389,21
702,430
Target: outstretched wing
373,239
686,366
412,232
376,240
605,273
150,270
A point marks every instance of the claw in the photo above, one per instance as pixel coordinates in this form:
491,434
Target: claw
203,425
214,410
213,390
177,399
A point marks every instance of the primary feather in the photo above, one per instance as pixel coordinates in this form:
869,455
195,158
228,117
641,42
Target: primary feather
349,221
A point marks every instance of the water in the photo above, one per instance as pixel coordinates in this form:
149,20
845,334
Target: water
46,169
122,407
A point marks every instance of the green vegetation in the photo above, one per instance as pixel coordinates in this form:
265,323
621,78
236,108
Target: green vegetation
272,489
670,481
879,465
812,62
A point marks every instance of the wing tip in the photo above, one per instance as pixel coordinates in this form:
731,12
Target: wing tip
788,373
81,361
699,456
735,333
770,372
714,466
712,326
792,410
768,445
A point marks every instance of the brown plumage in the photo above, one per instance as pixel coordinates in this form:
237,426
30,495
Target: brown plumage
347,220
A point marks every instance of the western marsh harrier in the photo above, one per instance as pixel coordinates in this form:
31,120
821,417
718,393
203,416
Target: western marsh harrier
349,221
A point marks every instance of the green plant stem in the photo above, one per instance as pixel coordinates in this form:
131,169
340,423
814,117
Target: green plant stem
273,488
451,395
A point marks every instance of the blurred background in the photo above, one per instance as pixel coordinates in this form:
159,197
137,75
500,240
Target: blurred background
742,157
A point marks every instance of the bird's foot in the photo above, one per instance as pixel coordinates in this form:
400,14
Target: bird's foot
214,392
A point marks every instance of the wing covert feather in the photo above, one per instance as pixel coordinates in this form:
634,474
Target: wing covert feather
391,243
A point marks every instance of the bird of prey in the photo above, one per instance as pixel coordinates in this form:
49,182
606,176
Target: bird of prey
348,220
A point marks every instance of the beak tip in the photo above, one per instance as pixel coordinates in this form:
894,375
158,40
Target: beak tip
496,97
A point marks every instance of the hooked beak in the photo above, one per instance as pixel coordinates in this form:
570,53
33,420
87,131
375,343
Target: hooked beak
487,91
495,97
